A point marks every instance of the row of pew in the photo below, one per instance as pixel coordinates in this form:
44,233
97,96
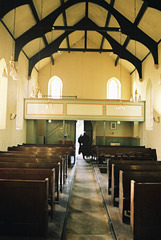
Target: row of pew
134,184
31,181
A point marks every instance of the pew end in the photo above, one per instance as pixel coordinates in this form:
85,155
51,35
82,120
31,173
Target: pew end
145,216
23,207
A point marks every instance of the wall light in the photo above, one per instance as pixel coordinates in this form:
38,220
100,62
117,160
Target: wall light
156,119
13,116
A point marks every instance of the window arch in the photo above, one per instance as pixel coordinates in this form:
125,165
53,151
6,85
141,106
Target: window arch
113,89
3,94
55,87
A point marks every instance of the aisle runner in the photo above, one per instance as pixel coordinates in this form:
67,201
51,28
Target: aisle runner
87,218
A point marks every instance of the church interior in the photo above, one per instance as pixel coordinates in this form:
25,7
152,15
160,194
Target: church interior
69,67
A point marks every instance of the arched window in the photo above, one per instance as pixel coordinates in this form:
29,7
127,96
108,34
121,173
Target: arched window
113,89
55,87
3,94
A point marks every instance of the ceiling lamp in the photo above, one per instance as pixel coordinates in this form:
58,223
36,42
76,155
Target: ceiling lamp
136,98
38,91
13,71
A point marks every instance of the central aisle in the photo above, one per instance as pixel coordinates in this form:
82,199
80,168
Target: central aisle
86,217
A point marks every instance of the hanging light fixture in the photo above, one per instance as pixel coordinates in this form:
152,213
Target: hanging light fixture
38,92
13,70
136,96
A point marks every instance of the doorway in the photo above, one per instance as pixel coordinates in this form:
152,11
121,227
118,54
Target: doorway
81,126
88,128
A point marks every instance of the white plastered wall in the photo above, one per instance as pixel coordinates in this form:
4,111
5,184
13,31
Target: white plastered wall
15,131
85,75
150,138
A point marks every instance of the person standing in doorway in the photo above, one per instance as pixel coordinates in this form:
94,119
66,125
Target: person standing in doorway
84,145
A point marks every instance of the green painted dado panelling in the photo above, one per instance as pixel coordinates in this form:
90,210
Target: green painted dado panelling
123,141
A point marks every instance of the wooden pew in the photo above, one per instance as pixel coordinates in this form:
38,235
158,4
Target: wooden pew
145,216
17,156
68,150
61,152
8,163
102,149
33,174
70,147
114,161
125,189
23,207
155,166
43,157
117,152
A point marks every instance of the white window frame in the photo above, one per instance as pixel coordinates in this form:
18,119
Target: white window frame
118,84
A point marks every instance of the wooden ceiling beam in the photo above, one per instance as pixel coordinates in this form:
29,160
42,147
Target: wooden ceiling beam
87,28
117,48
127,28
136,22
33,9
65,24
107,22
153,4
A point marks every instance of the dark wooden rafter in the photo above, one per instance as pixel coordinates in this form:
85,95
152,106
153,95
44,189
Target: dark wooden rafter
107,23
127,28
85,34
8,5
47,51
38,20
46,24
156,4
127,40
123,52
84,50
65,24
87,28
136,22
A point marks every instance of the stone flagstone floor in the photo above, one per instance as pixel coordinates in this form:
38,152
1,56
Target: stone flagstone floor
87,219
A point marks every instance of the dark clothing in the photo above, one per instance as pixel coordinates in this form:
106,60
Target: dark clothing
84,145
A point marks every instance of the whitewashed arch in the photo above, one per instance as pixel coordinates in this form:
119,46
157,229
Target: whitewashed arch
113,88
55,87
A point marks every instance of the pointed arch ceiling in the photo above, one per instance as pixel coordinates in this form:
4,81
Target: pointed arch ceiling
54,21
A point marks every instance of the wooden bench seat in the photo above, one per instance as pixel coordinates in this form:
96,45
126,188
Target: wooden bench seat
40,157
70,147
33,174
43,152
23,207
114,161
8,163
118,152
125,188
131,167
20,157
145,215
